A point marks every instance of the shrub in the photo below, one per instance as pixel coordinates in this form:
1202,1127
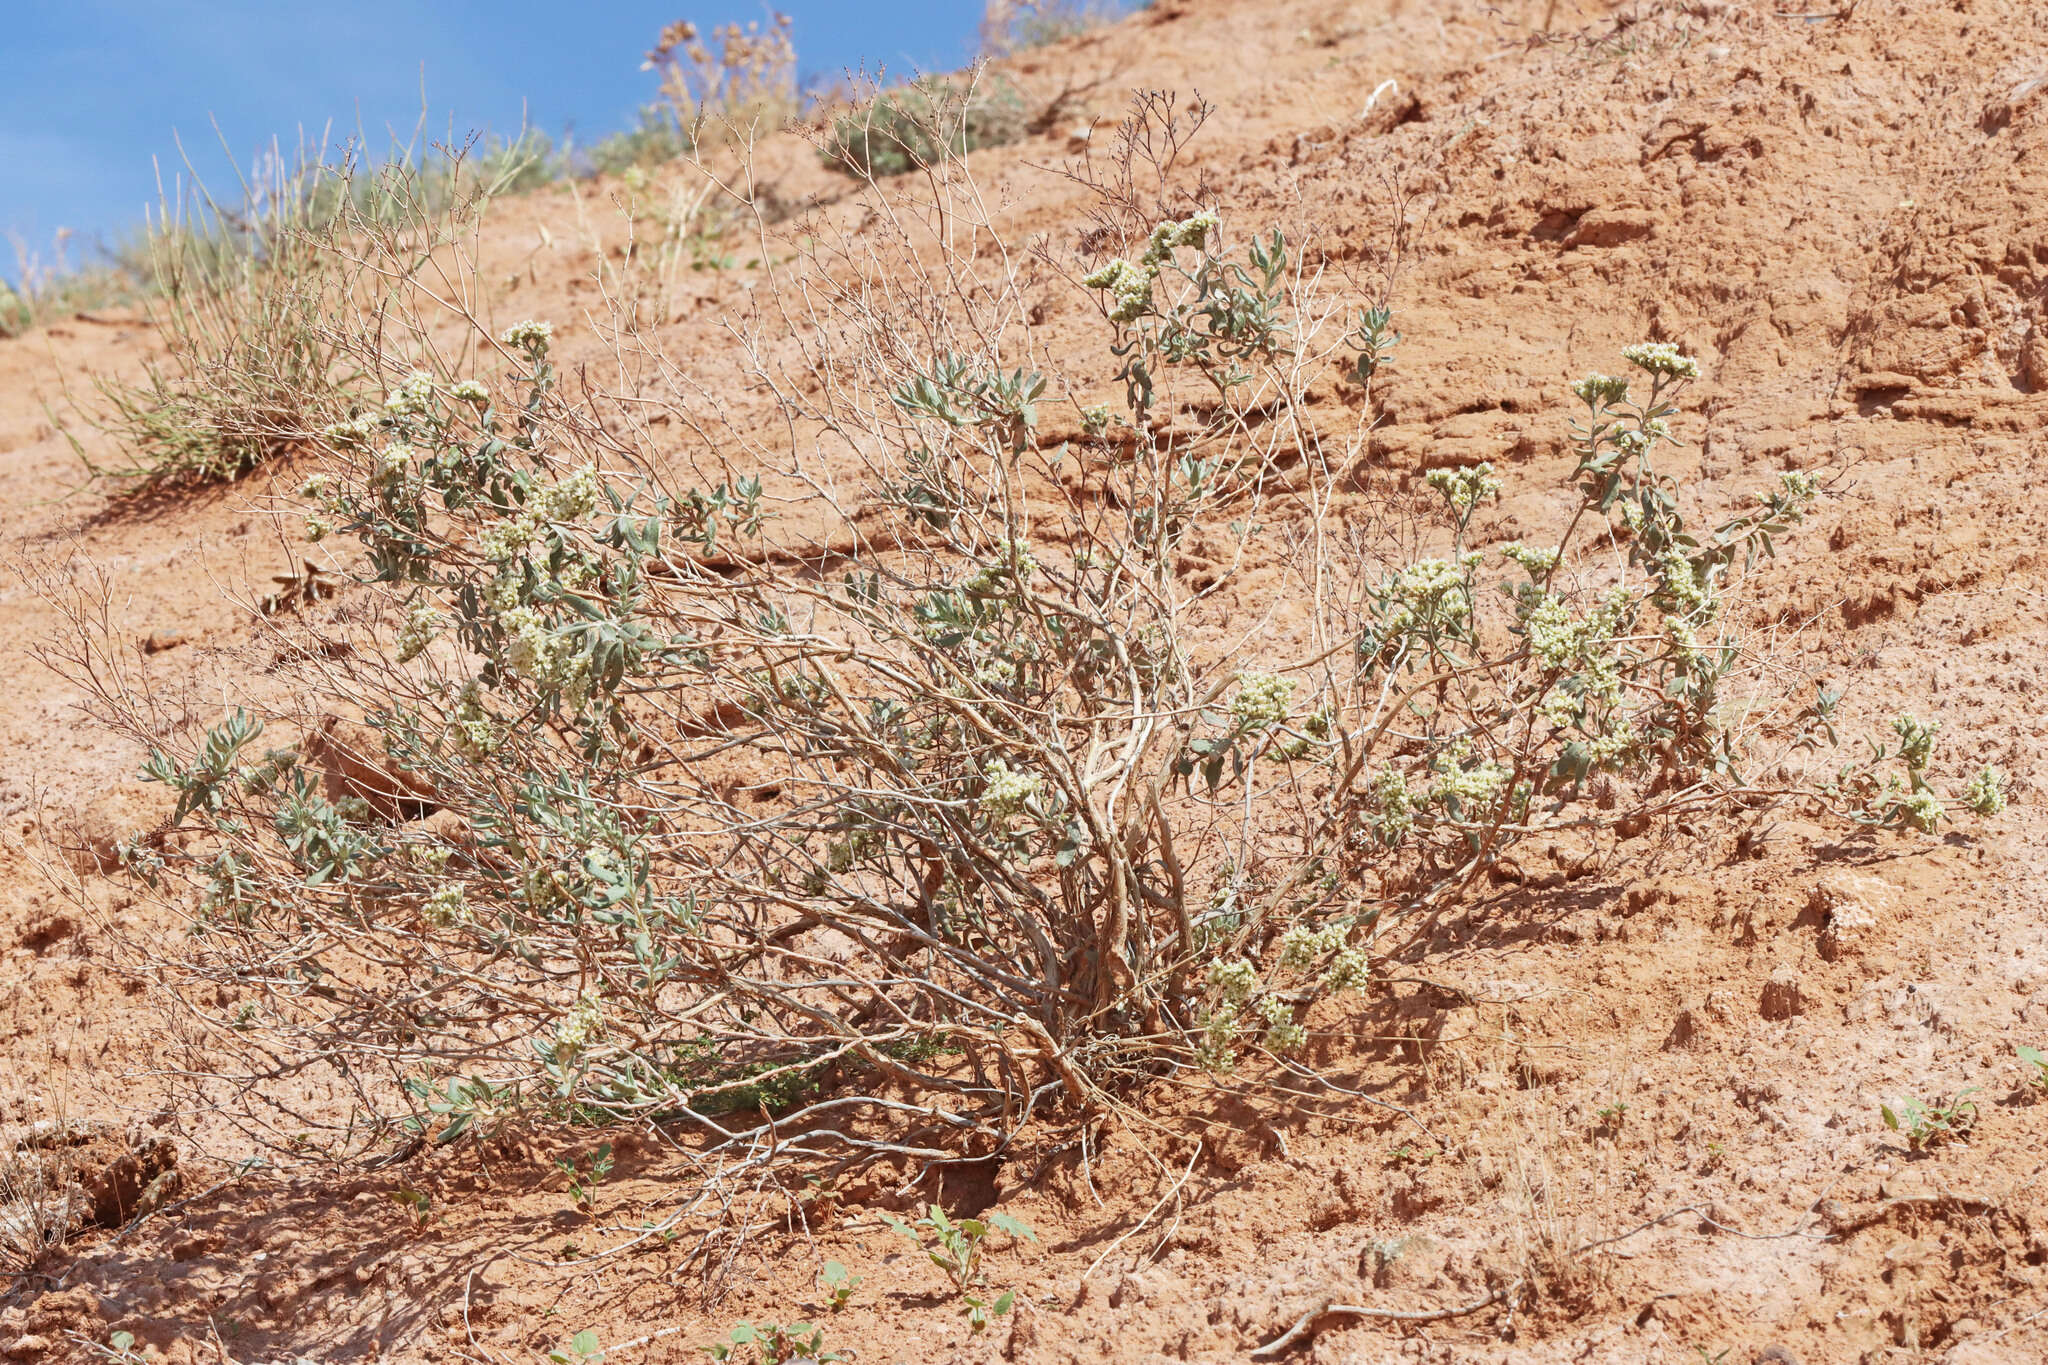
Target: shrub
902,780
922,124
724,88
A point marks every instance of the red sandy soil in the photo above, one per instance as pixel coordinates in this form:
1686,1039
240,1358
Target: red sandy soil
1845,217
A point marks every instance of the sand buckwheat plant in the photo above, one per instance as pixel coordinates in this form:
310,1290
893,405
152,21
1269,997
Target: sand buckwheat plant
890,775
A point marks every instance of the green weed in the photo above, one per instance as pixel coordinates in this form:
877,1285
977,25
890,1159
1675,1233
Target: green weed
1926,1124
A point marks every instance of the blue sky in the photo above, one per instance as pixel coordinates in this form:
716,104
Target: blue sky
96,88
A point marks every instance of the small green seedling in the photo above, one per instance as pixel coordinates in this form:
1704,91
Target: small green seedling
979,1310
418,1205
839,1284
2037,1059
1610,1118
120,1346
775,1343
1927,1125
585,1178
956,1246
581,1349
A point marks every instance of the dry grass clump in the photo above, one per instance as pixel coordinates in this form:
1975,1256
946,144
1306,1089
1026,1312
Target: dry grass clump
243,295
55,288
39,1210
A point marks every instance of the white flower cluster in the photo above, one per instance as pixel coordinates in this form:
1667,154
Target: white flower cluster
1536,563
1396,805
1556,637
394,462
1685,643
318,529
1218,1052
1008,790
448,905
541,888
422,624
355,432
1283,1035
1559,639
529,335
1476,788
502,540
1011,562
579,573
1350,969
1637,441
432,857
1797,484
1612,744
1172,234
584,1021
1661,357
1986,793
409,399
476,736
1261,700
1923,811
543,657
530,644
507,591
996,673
571,499
1129,286
1600,390
1300,946
1233,981
1683,583
1095,419
1916,739
469,391
1462,488
1431,591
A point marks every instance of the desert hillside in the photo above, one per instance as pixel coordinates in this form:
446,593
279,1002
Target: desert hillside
1617,1093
